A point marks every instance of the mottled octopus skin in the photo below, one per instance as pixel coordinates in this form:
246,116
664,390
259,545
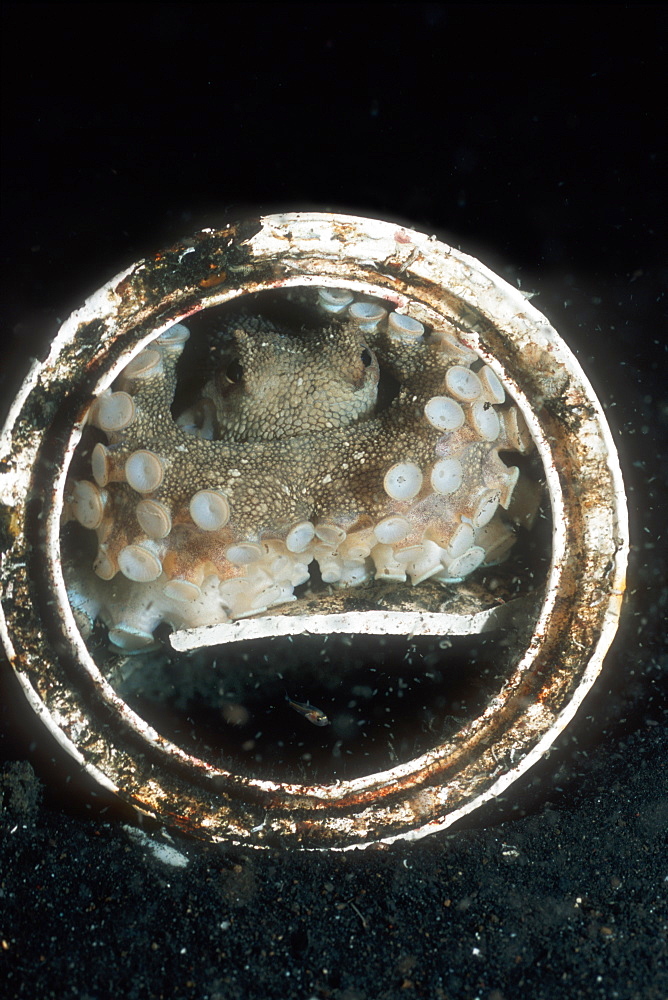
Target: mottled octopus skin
305,466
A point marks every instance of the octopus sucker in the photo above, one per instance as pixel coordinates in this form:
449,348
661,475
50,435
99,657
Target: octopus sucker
112,411
290,452
141,563
154,518
209,509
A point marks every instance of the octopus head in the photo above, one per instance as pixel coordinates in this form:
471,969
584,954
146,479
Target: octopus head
280,386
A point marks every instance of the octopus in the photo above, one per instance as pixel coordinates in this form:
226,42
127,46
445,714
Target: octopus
288,459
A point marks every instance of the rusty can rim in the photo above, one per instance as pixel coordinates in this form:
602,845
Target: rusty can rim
577,620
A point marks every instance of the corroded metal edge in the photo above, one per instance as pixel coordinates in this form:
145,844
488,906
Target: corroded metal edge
579,614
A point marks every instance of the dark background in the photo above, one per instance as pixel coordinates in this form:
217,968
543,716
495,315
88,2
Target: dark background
533,137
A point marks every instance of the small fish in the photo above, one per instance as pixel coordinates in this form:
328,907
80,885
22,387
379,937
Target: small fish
313,715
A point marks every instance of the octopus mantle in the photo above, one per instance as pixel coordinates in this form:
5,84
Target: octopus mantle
286,458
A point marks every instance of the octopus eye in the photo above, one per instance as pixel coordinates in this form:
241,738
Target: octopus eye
366,357
234,371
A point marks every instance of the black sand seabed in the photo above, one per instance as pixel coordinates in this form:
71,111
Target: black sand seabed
528,135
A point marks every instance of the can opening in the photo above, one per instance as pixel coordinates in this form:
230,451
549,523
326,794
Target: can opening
243,706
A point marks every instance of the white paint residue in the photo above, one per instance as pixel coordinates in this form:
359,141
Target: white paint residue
161,852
